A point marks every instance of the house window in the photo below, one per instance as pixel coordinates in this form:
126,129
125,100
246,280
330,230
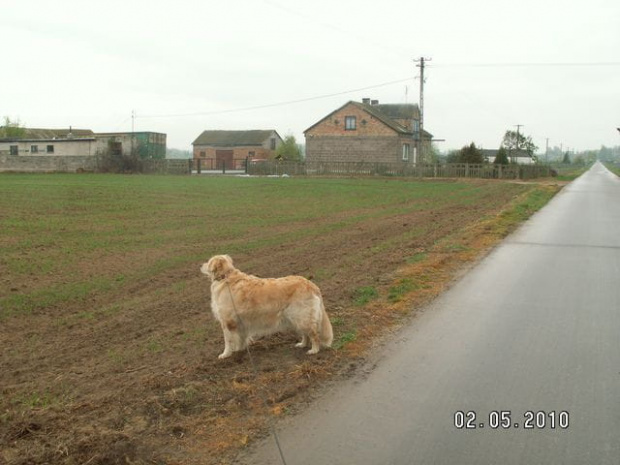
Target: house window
14,150
203,154
251,154
405,152
350,123
50,149
273,143
34,149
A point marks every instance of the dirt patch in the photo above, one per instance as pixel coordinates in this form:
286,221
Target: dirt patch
131,375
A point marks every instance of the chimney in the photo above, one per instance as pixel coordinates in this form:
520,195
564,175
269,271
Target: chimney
374,102
366,101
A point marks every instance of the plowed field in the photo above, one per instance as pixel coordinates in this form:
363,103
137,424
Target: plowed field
108,349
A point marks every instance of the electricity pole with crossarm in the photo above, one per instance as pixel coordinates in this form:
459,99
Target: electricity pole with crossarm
421,62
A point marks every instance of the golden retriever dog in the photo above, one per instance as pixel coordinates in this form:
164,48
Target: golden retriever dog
247,306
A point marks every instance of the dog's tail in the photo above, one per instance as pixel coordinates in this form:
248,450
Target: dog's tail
327,333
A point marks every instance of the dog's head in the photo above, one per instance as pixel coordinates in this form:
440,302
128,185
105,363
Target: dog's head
218,267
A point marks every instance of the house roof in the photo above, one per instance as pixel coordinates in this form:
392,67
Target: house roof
388,114
399,111
234,138
38,133
488,153
128,133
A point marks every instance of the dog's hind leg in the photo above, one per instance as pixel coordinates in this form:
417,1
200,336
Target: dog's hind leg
315,330
303,342
316,343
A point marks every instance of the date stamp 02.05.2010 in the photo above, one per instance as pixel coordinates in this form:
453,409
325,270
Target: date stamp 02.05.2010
506,419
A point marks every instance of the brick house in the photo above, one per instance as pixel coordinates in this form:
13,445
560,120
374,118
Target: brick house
368,132
231,148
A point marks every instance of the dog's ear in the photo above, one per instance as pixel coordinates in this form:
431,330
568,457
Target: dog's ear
220,267
216,267
229,259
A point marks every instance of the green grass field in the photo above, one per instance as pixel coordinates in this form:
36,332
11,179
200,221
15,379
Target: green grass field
79,234
613,167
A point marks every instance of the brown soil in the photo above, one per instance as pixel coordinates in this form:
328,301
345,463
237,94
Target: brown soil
132,376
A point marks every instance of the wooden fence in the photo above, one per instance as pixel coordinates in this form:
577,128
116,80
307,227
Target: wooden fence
200,165
344,169
483,171
167,166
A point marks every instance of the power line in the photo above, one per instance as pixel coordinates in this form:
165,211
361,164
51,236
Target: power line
524,65
278,104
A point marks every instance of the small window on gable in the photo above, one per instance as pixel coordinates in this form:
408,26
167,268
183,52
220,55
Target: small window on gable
273,143
405,152
350,123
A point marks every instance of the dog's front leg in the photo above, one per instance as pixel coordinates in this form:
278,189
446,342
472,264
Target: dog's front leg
303,342
229,344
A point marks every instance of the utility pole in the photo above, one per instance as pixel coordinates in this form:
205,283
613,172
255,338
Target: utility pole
133,118
519,126
422,60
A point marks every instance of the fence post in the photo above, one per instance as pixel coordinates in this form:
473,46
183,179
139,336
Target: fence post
223,166
199,166
190,166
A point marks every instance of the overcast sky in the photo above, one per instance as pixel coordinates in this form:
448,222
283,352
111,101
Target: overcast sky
185,66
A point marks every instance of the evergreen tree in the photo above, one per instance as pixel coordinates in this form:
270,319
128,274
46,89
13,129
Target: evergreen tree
502,157
566,159
471,154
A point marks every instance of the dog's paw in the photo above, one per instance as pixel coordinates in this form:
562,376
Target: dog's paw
313,351
300,344
224,355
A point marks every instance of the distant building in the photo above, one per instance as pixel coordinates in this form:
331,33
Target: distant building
230,149
83,142
145,144
58,142
520,157
368,132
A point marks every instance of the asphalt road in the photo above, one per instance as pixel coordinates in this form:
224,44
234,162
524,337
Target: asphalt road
534,327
